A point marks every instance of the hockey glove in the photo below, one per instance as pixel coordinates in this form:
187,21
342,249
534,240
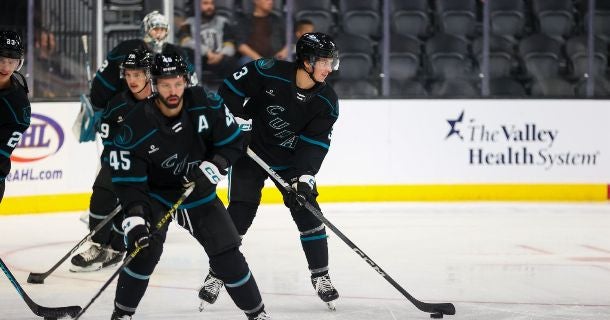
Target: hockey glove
136,233
208,173
302,191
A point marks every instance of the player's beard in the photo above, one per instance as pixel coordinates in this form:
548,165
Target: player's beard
171,105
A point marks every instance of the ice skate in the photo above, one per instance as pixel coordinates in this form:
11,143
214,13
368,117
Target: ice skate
261,316
95,258
325,289
117,316
208,293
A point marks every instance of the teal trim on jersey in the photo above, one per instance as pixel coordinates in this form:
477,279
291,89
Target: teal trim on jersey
4,153
10,108
314,238
232,87
229,139
135,275
104,81
316,142
186,206
269,76
335,109
124,147
240,282
107,143
108,112
130,179
279,168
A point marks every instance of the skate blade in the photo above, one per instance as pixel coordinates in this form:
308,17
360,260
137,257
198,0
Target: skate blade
92,268
331,306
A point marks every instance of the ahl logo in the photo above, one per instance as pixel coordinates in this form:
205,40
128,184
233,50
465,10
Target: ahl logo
454,130
42,139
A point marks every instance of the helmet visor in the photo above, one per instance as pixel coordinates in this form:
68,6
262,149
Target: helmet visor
325,62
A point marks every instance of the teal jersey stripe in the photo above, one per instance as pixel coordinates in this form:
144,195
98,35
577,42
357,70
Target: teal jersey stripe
232,87
229,139
104,81
187,206
316,142
130,179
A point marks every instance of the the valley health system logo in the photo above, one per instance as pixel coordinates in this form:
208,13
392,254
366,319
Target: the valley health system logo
514,144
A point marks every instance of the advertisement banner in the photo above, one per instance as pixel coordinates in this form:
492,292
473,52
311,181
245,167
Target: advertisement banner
49,159
469,141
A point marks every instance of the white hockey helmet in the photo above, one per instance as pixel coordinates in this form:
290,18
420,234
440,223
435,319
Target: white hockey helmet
154,20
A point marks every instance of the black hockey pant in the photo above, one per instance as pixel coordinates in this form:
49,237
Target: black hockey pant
211,225
103,202
247,179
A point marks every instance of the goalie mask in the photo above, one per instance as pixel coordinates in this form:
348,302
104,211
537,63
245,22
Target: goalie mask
151,21
313,46
11,47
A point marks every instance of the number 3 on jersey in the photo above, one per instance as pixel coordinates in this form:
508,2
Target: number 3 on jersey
240,73
119,160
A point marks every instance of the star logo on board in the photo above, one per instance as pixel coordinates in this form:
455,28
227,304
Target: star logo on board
453,124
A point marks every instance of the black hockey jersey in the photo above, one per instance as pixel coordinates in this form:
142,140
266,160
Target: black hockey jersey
151,153
107,81
118,109
291,127
15,115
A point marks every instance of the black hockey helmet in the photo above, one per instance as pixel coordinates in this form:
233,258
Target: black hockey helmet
11,46
311,46
137,59
168,64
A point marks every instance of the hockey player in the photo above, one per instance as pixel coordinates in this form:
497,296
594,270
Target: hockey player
107,246
14,104
105,85
291,111
184,135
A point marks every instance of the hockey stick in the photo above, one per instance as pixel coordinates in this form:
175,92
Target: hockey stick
137,250
436,309
87,64
46,312
39,277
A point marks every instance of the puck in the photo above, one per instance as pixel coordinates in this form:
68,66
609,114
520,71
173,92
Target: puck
437,315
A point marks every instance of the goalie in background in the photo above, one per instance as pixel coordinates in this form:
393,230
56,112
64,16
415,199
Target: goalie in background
107,82
107,245
14,104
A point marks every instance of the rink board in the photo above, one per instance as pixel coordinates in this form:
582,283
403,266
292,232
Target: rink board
381,150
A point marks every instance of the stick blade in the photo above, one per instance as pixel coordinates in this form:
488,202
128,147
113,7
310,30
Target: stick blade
59,312
444,308
36,278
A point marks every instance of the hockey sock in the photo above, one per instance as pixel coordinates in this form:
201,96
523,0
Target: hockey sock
315,247
232,269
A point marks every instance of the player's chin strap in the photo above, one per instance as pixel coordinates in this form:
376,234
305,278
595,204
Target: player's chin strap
144,87
312,64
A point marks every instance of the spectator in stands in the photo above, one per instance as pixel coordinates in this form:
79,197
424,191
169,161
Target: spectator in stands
217,40
301,27
261,34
